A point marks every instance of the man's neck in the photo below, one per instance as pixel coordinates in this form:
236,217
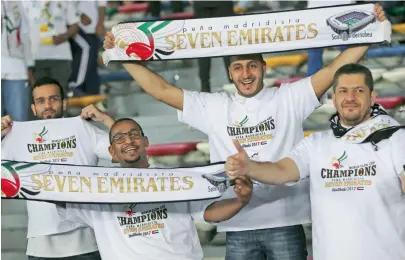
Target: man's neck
139,164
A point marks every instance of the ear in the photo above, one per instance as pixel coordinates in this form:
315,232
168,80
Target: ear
264,67
112,153
334,99
33,110
373,97
229,73
146,140
64,105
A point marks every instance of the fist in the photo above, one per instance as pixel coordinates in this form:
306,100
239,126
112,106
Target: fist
243,188
237,164
379,13
93,113
6,124
109,41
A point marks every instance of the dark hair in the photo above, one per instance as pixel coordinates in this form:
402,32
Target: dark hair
47,81
120,120
354,69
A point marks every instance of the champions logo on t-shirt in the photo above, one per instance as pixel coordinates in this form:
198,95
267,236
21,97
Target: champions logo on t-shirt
343,177
44,149
145,223
251,136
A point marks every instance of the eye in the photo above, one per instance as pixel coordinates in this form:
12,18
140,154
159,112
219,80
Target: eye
253,65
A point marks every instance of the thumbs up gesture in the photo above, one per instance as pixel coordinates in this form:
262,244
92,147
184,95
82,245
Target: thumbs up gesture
237,164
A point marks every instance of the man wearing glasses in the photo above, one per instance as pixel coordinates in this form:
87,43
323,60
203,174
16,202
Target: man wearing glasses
174,236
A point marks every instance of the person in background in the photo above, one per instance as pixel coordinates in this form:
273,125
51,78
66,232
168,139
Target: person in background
16,61
208,9
85,45
53,23
155,7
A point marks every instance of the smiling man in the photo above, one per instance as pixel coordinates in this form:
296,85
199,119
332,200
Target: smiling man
49,237
268,123
356,171
174,236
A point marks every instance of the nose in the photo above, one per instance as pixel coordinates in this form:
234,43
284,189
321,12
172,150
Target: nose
246,72
48,104
350,96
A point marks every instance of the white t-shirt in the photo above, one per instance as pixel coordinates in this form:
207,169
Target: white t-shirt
268,125
358,208
90,8
62,141
47,22
13,68
143,231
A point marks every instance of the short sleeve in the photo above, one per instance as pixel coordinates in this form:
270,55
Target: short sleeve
7,147
304,98
78,213
199,108
301,155
398,151
72,15
197,209
99,140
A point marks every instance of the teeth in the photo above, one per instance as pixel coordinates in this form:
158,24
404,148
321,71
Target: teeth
247,82
130,149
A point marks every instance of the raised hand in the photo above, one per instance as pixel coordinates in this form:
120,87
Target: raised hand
237,164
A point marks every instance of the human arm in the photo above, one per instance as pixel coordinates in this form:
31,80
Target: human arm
6,124
72,19
323,79
150,82
95,114
222,210
101,14
288,170
27,48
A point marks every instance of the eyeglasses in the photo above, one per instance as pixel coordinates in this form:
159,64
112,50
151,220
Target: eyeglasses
133,135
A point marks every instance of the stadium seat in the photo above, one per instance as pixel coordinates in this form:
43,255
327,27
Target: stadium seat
203,147
391,102
399,28
116,76
178,16
377,73
398,50
171,149
397,11
286,60
110,11
395,75
289,80
133,8
85,101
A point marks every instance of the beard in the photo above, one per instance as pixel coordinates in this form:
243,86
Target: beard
55,114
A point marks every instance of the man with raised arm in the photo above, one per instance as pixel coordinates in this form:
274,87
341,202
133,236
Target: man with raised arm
268,123
355,170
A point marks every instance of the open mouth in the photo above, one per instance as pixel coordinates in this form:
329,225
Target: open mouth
247,83
130,150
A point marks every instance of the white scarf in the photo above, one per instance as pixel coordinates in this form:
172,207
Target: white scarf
71,183
247,34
